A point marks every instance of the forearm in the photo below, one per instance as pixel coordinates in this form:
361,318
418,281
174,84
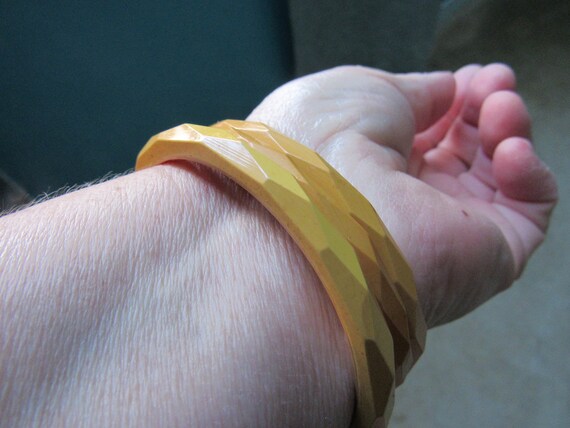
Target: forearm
164,297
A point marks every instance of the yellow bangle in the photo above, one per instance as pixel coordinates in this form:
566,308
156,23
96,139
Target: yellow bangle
365,275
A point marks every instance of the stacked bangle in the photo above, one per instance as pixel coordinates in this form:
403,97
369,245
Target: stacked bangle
365,275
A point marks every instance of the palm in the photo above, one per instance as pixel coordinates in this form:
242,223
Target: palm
465,211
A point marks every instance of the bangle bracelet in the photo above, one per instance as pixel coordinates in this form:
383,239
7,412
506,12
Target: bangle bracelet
365,275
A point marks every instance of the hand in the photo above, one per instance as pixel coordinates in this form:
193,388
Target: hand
446,161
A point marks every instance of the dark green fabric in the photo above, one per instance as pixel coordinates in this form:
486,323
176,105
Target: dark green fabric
392,35
84,84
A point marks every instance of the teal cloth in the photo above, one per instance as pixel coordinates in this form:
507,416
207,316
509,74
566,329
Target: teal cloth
84,84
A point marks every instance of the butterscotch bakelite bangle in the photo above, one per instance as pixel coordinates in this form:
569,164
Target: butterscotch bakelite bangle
364,273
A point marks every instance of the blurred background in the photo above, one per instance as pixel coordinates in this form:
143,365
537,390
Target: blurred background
84,84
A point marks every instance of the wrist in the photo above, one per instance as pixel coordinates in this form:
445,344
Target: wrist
265,297
180,272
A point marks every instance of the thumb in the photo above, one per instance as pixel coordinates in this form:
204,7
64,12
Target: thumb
386,109
422,97
430,95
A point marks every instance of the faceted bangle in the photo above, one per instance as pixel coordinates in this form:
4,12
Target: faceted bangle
366,277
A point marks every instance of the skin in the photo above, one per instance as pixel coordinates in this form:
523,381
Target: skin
440,156
169,297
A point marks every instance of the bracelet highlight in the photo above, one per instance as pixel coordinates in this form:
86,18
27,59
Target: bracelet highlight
364,273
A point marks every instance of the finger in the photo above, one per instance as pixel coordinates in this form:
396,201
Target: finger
490,79
430,137
430,95
503,115
520,174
